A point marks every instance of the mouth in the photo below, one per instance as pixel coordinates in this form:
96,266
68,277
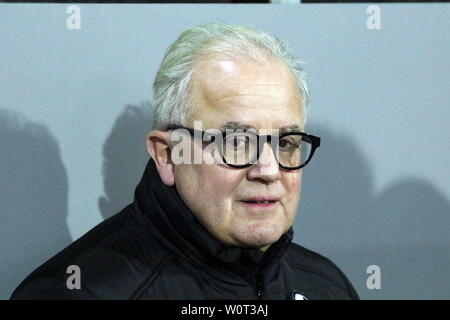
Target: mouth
260,202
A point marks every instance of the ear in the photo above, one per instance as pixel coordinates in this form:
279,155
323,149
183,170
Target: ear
158,146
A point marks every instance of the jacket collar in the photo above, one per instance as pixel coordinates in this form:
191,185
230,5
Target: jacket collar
164,213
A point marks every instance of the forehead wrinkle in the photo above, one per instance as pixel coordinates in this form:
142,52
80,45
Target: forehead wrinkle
269,83
213,93
242,104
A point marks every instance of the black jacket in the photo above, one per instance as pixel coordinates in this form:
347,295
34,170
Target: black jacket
156,249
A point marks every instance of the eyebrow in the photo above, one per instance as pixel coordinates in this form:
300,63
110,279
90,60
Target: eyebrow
238,125
235,126
291,128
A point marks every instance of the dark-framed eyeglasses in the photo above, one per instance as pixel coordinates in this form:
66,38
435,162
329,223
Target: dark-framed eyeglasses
240,149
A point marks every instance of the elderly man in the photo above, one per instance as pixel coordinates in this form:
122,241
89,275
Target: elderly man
212,219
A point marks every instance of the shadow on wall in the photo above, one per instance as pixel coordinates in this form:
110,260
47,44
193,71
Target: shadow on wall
33,199
404,229
124,158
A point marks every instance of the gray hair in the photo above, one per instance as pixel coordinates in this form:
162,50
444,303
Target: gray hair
171,88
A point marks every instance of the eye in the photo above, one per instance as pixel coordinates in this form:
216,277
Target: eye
288,143
236,141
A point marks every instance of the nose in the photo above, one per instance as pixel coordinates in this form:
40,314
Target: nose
266,168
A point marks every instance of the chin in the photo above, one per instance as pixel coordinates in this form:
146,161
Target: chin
259,235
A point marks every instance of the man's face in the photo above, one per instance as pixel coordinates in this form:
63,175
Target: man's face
264,97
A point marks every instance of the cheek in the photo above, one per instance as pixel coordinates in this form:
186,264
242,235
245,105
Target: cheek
220,183
211,187
212,201
293,187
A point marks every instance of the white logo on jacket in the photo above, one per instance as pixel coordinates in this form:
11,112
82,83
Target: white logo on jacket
299,296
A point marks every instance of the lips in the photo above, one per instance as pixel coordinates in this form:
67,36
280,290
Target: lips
262,202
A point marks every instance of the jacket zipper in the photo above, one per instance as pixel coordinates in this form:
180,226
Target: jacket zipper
259,277
259,284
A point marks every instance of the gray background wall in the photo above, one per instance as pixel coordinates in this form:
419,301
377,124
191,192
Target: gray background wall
75,106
